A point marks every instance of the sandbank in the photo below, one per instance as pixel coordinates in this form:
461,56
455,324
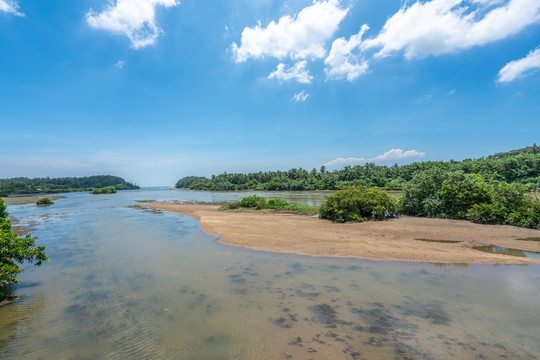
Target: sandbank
395,239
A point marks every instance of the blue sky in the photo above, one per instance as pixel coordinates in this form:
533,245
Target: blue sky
153,90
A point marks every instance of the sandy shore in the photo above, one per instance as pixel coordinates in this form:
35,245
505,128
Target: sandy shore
395,239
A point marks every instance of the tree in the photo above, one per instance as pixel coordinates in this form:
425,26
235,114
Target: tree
14,251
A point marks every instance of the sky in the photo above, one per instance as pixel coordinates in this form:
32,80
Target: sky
154,90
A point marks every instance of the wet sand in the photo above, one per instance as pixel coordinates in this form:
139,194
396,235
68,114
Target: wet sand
395,239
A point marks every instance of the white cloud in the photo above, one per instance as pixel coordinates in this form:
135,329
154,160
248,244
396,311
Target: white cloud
119,64
398,154
132,18
297,72
342,62
10,6
300,37
519,68
300,96
391,155
447,26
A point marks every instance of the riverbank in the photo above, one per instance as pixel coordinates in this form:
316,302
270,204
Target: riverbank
405,238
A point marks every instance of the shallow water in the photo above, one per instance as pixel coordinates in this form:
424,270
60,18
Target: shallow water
508,251
127,283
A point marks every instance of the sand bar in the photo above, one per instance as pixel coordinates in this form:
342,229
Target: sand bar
395,239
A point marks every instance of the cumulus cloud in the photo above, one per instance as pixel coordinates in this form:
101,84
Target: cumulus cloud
300,96
132,18
520,68
446,26
300,37
10,6
343,62
119,64
297,72
391,155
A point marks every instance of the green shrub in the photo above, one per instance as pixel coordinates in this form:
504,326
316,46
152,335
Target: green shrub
258,203
455,195
439,193
358,204
15,251
526,216
277,204
253,201
488,213
44,202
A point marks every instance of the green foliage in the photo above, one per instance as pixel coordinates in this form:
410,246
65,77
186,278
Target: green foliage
455,195
357,204
187,181
259,203
15,251
105,190
44,202
253,201
439,193
534,149
517,166
527,215
59,185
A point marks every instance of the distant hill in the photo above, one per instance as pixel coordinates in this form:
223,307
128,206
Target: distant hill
534,149
520,166
22,185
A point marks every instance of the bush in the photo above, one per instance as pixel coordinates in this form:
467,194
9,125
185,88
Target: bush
277,204
358,204
253,201
439,193
259,203
526,216
488,213
15,250
455,195
44,202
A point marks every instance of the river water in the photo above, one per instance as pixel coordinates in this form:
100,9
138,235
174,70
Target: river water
130,283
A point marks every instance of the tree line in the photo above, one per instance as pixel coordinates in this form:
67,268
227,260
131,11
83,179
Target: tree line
520,166
23,185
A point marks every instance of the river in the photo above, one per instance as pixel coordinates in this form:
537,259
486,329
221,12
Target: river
125,282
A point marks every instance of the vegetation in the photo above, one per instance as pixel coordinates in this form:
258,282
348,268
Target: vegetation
515,167
14,251
187,181
23,185
456,195
44,202
260,203
105,190
357,204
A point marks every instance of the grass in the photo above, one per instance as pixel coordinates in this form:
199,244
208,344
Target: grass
259,203
13,200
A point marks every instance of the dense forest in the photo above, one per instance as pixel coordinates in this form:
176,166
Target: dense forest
517,166
22,185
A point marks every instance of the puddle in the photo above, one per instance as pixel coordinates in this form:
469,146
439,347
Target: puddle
537,238
440,241
508,251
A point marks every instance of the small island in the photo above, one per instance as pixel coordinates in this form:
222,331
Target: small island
44,202
406,238
105,190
